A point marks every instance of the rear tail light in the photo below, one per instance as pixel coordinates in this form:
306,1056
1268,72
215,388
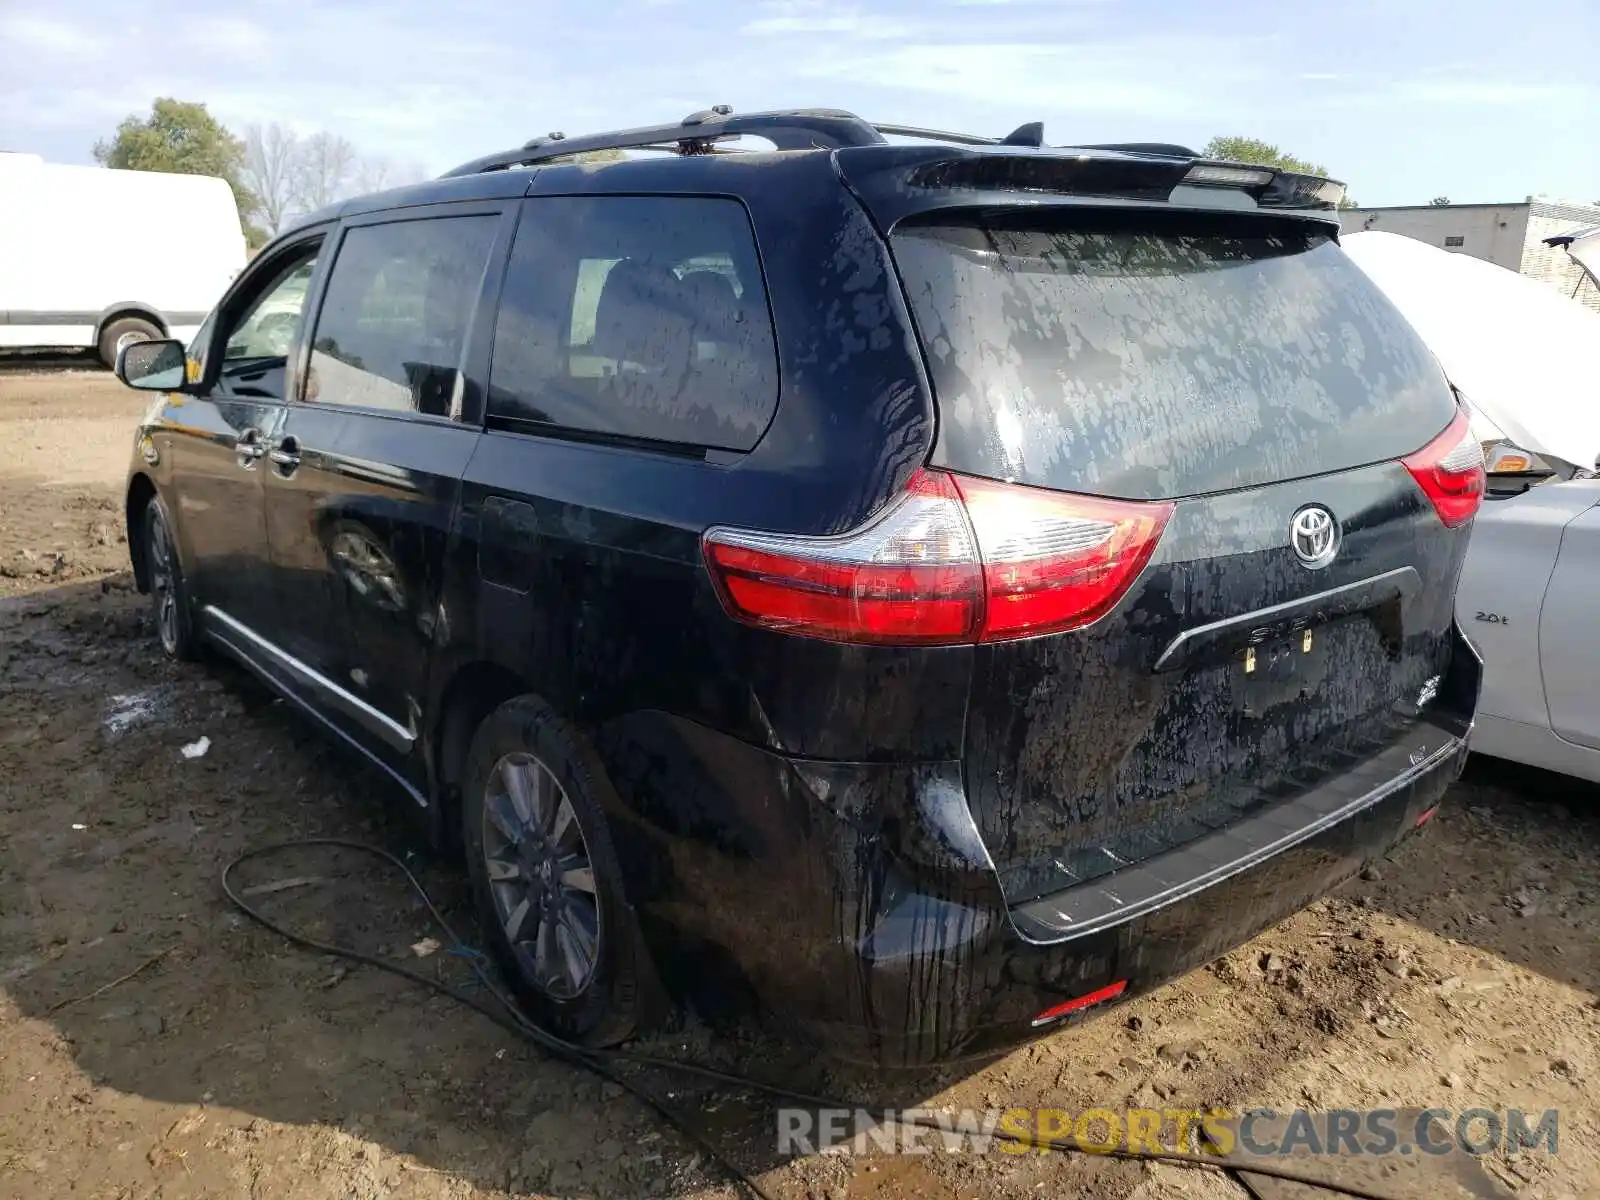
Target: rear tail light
1053,561
1450,471
909,577
952,560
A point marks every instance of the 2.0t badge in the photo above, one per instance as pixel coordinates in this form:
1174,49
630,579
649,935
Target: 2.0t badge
1314,534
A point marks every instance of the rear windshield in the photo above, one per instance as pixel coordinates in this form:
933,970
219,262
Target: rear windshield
1169,360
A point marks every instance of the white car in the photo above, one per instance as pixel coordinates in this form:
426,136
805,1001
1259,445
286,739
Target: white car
1526,359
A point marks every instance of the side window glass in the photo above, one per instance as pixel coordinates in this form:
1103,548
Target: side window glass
269,325
393,324
643,318
258,335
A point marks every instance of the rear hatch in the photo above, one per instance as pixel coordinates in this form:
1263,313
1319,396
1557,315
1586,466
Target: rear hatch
1228,379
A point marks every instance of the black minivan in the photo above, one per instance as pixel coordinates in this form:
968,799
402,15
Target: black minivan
922,586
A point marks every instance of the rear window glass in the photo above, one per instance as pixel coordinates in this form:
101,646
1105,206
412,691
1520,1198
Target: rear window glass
636,317
1169,360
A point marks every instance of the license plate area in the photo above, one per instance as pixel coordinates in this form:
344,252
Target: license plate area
1280,671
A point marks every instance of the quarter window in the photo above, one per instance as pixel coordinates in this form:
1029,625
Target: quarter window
269,328
639,318
261,327
393,325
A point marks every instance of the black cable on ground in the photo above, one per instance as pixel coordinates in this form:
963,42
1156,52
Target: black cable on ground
511,1017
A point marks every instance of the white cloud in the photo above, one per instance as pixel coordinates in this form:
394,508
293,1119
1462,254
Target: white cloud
416,81
852,24
1443,92
76,107
30,33
818,17
230,37
1485,91
1139,78
342,70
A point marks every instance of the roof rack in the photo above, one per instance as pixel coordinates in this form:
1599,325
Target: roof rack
698,133
831,129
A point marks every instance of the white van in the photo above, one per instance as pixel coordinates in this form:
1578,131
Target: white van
92,258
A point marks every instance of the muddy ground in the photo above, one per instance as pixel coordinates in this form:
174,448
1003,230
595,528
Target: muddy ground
227,1063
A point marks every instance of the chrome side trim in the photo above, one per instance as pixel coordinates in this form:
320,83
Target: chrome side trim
276,684
358,710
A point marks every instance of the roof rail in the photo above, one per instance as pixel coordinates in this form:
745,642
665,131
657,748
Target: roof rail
795,129
698,133
1031,134
935,135
787,129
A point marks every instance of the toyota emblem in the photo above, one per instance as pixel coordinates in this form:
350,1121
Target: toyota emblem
1314,534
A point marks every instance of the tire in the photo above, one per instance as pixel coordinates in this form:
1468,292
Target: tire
120,331
563,936
169,595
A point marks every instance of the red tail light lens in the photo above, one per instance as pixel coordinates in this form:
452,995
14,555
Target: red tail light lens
909,577
1053,561
952,560
1450,471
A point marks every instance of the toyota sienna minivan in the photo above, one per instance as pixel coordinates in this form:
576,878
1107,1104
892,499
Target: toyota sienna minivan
923,586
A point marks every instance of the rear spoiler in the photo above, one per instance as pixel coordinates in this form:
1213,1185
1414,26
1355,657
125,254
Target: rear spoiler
1270,187
900,184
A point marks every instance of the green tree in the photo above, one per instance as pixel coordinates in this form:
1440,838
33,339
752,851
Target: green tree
183,138
1439,202
1265,154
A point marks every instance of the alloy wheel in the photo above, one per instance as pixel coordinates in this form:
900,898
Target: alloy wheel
541,876
163,584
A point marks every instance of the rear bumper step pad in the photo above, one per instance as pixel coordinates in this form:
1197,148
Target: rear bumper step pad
1137,889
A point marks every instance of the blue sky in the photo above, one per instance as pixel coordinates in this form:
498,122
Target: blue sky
1404,99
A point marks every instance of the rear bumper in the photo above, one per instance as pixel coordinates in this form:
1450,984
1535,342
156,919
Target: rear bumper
857,902
980,978
1239,847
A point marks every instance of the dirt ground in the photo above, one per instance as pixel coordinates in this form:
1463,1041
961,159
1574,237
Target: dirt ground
226,1063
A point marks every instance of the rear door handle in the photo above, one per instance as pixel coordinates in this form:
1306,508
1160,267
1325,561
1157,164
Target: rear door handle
286,455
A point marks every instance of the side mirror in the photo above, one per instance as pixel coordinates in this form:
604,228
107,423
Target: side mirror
153,366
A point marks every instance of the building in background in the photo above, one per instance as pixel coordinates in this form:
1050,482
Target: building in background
1509,235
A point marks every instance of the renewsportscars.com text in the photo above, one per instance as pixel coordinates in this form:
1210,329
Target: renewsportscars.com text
1219,1131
